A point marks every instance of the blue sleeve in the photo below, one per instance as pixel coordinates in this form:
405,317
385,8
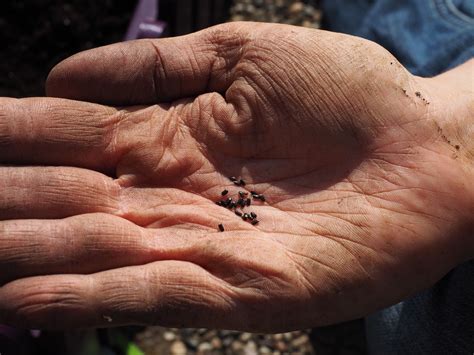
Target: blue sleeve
427,36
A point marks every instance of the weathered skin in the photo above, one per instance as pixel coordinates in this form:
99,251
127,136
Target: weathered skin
367,170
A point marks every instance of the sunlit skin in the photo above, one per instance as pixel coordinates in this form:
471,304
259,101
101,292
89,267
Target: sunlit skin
108,209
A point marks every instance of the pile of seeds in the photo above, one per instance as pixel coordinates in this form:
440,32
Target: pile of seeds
242,200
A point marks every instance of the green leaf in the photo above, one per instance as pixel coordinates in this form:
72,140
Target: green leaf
132,349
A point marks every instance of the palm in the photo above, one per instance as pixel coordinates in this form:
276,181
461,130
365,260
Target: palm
351,199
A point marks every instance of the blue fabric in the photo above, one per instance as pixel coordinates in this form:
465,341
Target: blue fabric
437,321
428,37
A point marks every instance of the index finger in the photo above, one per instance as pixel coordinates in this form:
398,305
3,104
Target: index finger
49,131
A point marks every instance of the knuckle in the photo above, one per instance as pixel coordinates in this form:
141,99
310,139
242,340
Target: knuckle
33,304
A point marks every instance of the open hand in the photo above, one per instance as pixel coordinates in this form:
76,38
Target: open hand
109,213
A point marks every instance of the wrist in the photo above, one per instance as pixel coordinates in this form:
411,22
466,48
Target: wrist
452,112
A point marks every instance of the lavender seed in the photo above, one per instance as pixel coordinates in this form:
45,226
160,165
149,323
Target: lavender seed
225,192
255,222
226,203
238,213
221,227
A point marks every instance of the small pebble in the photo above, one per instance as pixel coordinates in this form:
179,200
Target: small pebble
236,346
178,348
281,346
250,348
169,336
204,347
216,343
245,336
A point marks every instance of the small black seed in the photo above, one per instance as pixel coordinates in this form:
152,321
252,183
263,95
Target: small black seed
242,182
241,202
225,192
219,203
255,222
253,215
243,194
221,227
248,202
262,198
232,178
236,183
238,213
232,205
226,203
253,193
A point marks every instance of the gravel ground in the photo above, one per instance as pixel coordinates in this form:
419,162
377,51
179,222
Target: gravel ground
158,341
292,12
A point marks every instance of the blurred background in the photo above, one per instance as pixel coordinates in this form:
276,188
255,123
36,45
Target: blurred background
37,34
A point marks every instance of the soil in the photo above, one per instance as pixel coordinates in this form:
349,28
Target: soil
37,34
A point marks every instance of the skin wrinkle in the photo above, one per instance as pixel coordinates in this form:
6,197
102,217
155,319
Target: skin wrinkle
159,72
37,302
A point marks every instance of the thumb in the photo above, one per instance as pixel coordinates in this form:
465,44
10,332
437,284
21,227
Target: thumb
150,71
